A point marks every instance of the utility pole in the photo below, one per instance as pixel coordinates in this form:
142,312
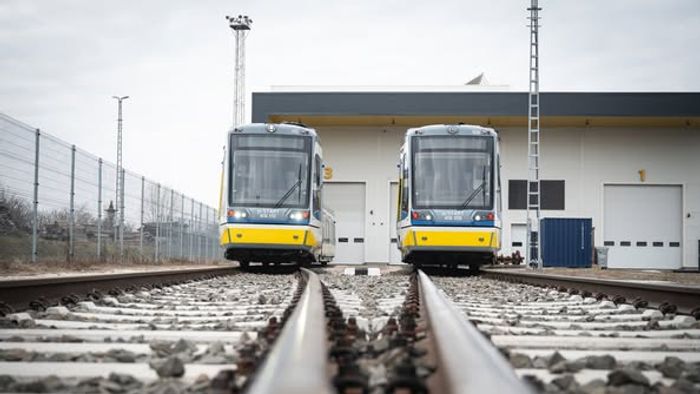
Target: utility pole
241,27
533,255
120,178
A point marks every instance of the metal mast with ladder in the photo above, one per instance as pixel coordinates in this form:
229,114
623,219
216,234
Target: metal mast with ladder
533,257
241,27
119,198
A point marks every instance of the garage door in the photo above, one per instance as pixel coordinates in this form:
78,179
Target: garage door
394,253
348,202
643,226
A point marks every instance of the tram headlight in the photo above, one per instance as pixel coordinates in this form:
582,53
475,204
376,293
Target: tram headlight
481,216
236,214
421,215
299,215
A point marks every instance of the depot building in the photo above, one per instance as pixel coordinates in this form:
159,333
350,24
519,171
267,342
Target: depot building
629,161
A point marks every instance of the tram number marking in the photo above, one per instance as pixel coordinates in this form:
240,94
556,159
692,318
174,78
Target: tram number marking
266,214
328,173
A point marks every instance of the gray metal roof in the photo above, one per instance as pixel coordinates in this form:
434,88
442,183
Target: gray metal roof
474,104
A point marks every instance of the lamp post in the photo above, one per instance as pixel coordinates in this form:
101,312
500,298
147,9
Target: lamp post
120,178
241,27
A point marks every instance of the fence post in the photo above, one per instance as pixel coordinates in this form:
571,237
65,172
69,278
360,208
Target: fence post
182,225
170,226
121,216
207,235
157,221
35,213
199,233
99,209
214,235
143,186
191,237
210,236
71,219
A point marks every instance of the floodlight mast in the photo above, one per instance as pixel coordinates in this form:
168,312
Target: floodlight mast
119,198
241,27
533,255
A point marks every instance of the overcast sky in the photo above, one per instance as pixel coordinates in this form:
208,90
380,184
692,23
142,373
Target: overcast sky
62,60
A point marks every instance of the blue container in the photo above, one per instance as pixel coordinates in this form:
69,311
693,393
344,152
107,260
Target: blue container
566,242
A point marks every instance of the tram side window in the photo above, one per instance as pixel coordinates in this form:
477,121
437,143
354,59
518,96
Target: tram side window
404,188
317,170
499,191
317,187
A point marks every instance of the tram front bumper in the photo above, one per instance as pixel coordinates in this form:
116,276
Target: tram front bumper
459,239
238,236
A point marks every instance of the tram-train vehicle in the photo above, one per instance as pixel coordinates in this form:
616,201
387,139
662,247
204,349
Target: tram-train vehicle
449,207
272,197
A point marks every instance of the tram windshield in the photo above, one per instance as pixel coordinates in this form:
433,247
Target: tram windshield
270,171
453,172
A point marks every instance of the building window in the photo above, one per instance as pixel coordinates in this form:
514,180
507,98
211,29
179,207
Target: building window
552,194
516,194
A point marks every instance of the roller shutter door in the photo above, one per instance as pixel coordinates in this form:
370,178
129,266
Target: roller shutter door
643,226
348,202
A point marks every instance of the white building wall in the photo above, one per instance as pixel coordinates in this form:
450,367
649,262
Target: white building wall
586,158
366,154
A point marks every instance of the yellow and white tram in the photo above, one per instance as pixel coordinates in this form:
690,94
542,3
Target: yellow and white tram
272,197
449,210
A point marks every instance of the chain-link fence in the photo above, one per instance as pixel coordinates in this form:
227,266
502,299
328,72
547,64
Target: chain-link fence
58,202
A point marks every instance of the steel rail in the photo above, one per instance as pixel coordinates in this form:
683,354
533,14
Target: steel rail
19,293
685,299
467,361
298,360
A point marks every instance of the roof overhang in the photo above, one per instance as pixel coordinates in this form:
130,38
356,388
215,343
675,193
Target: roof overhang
496,109
493,121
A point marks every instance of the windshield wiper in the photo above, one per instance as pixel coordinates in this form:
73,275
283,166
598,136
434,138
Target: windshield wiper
290,191
476,191
473,195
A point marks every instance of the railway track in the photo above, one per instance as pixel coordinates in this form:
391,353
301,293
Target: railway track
566,342
186,337
24,293
394,334
400,332
407,335
668,298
